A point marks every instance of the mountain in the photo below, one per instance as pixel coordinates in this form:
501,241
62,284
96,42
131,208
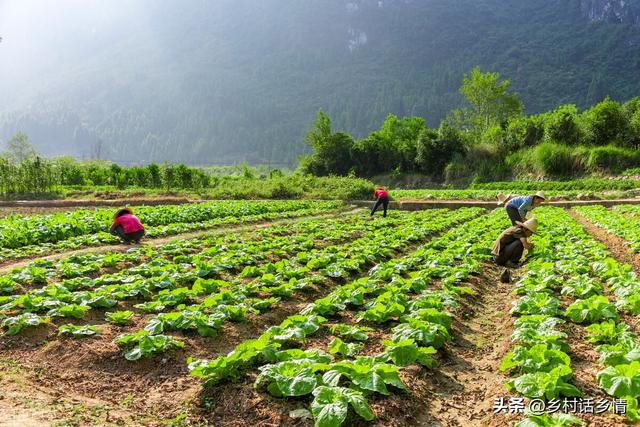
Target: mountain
213,82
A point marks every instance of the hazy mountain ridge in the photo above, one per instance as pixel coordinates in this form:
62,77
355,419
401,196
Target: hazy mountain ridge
235,80
617,11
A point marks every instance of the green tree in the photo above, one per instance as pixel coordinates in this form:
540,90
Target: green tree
490,99
634,131
606,123
437,148
332,151
563,126
169,177
155,177
19,149
524,131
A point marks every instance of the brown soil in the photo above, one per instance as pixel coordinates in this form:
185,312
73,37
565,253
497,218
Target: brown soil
461,391
93,372
159,388
618,247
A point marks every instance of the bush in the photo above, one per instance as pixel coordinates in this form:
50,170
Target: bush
547,159
611,159
606,123
591,184
487,163
563,126
436,149
290,187
524,131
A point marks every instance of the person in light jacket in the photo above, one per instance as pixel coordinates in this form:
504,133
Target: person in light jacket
517,207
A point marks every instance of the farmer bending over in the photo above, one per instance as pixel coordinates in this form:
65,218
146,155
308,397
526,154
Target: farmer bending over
517,207
127,226
382,198
509,246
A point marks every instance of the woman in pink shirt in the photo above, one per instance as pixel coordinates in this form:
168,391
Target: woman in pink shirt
382,198
127,226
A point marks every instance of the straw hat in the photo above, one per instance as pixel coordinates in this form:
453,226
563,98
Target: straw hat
530,224
541,195
501,198
122,212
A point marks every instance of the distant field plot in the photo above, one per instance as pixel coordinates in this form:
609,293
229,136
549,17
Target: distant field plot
24,235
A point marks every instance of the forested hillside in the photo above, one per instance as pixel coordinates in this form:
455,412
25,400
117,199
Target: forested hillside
215,82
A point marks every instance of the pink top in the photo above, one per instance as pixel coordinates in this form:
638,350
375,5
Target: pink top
129,223
380,193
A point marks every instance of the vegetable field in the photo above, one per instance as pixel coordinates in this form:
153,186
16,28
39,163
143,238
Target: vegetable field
312,313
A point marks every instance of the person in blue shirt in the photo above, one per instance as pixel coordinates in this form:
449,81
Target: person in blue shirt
518,206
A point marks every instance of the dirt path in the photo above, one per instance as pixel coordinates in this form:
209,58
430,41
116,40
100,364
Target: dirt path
461,391
221,229
618,247
24,404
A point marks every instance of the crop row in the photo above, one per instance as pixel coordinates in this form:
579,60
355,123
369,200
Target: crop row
630,210
490,195
227,300
626,227
263,242
326,352
564,282
28,235
165,285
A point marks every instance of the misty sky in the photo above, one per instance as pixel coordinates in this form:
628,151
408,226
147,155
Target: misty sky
49,36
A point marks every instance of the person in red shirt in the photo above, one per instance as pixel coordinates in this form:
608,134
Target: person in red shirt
382,198
127,226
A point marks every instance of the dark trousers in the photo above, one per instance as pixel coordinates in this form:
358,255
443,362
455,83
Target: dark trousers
514,215
127,237
384,201
512,252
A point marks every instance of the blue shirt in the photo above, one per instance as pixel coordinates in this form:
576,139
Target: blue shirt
522,203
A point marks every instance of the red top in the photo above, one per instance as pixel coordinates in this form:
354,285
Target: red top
129,223
380,193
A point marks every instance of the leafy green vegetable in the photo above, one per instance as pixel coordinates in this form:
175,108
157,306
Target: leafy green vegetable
538,358
78,331
582,286
422,332
591,310
331,404
547,385
119,317
354,333
407,352
337,346
621,380
296,327
69,310
622,352
22,321
289,378
540,303
558,419
366,373
609,332
145,345
205,325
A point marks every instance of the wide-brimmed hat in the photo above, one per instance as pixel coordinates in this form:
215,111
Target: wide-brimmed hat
503,198
122,212
541,195
530,224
